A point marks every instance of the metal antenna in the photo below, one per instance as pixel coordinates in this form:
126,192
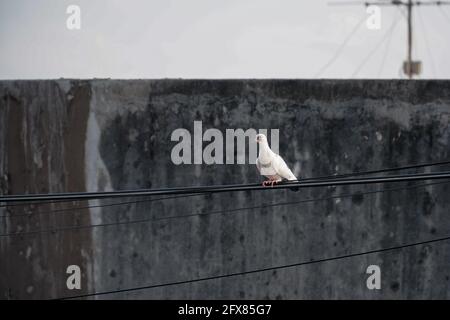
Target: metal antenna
410,67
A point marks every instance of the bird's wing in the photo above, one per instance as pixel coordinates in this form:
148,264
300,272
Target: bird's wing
282,169
258,165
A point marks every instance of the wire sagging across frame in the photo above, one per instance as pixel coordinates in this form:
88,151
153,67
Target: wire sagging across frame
226,188
353,174
386,36
277,204
243,273
226,211
72,209
340,48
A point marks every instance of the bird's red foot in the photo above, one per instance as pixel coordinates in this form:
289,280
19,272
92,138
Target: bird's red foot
269,183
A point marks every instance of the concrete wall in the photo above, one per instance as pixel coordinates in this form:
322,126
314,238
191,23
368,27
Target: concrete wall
73,135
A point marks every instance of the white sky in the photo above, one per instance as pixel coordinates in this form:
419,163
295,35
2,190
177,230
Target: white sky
211,39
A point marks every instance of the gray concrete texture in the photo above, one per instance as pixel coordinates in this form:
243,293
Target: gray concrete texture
95,135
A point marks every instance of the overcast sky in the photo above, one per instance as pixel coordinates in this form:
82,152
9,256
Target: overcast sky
214,39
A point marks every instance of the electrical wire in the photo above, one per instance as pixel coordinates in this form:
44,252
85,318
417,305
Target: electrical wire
340,48
391,169
428,48
67,210
416,166
227,188
147,220
383,60
254,271
444,14
373,51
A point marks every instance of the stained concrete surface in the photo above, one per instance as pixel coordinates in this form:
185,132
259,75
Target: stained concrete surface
95,135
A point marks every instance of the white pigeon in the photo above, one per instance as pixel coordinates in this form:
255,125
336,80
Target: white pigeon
270,164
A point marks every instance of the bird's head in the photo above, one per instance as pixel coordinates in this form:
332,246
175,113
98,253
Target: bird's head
261,138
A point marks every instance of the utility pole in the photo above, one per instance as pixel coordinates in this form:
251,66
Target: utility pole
409,61
410,67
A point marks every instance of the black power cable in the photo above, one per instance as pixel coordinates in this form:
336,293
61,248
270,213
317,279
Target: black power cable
363,173
182,196
225,188
235,274
65,210
422,165
147,220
